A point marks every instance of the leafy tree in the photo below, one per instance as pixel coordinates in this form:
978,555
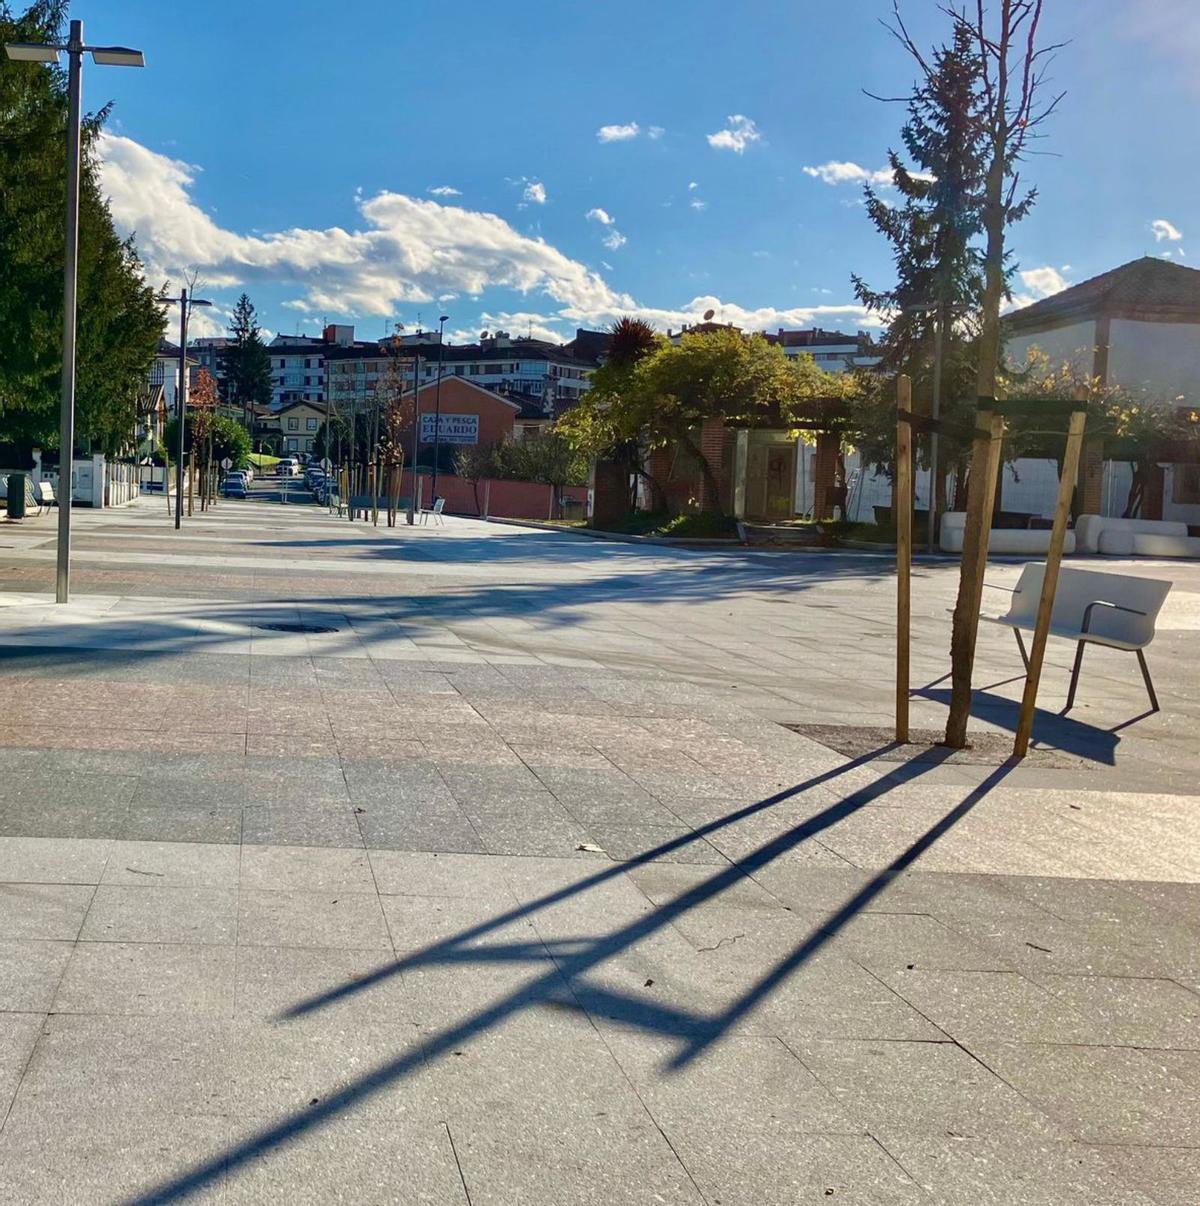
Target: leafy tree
229,438
549,457
246,363
119,322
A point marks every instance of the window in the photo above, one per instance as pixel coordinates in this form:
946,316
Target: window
293,445
282,363
308,445
293,425
475,370
458,370
1185,484
310,424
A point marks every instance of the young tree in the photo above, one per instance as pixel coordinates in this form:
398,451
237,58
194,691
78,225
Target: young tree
473,464
1011,89
550,458
246,363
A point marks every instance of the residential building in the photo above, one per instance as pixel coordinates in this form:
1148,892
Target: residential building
207,354
1137,326
299,423
834,351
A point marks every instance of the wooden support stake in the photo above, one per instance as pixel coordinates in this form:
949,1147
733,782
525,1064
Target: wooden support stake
1058,536
981,498
903,515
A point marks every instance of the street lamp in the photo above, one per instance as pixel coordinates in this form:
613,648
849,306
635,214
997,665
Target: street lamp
943,310
185,305
108,56
437,408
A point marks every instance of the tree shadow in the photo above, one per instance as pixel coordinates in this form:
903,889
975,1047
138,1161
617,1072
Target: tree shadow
564,985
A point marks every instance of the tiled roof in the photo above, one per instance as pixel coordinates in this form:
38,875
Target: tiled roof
1150,287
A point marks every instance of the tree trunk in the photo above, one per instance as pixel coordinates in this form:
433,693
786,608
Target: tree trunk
965,626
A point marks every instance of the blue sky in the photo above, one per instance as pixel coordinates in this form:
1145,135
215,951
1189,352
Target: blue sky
291,150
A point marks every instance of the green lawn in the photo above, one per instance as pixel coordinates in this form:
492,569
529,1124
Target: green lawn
261,460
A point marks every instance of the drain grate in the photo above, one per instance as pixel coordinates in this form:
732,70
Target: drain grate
301,628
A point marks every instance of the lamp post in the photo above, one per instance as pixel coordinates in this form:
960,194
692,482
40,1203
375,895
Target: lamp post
108,56
185,305
437,408
412,494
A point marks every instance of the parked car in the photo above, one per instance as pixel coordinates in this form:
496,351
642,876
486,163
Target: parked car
288,467
235,486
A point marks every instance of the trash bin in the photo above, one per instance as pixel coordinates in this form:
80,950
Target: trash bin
16,495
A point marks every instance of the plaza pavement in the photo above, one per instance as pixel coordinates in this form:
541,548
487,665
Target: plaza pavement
509,886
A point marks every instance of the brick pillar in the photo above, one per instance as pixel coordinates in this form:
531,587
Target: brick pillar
610,493
1091,478
712,448
824,473
659,468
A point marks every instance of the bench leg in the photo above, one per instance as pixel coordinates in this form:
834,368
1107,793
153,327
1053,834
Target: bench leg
1021,647
1146,678
1074,677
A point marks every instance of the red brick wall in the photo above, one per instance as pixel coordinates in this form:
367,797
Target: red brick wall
459,397
824,474
507,500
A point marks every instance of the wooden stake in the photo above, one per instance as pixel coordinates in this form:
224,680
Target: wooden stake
981,498
1058,536
903,515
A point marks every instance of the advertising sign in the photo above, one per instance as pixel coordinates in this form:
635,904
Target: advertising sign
452,429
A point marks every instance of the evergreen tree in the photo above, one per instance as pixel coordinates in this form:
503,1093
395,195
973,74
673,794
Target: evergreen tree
246,363
119,322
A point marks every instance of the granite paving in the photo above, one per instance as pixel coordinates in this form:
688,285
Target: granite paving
479,864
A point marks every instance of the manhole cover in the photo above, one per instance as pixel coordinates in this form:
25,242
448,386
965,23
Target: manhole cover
986,749
303,628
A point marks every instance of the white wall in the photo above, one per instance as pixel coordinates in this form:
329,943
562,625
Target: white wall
1074,344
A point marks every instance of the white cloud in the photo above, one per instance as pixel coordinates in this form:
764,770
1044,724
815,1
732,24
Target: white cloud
692,185
442,190
740,131
614,240
655,133
697,204
1165,230
404,251
618,133
535,191
600,215
1039,283
844,172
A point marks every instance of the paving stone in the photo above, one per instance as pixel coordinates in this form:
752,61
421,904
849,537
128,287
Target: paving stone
309,868
1010,1171
65,1152
1168,1175
147,978
172,865
53,911
18,1034
196,823
666,843
332,918
740,1167
1102,1094
425,873
1131,1011
329,824
905,1088
146,913
30,970
411,827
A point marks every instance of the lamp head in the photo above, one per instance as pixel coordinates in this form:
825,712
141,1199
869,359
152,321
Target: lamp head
31,52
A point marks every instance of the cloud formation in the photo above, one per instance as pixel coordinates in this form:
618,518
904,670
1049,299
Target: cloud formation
1038,283
602,216
618,133
837,172
401,250
1165,230
535,192
740,131
445,190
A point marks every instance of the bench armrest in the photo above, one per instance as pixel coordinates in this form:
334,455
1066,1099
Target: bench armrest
1008,590
1087,612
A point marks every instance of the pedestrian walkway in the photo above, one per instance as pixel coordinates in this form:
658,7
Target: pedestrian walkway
478,865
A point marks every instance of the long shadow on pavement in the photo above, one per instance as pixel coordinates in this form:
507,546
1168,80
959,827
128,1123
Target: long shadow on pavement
574,959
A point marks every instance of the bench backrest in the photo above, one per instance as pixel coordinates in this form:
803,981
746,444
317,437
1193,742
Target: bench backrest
1078,588
46,491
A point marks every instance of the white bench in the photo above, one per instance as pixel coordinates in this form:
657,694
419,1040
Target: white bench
1095,608
46,495
1113,537
1002,541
